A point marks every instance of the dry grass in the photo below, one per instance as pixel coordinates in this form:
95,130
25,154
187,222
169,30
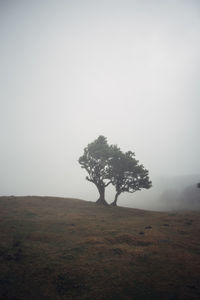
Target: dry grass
55,248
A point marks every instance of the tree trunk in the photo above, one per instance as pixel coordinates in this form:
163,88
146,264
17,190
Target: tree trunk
101,199
114,203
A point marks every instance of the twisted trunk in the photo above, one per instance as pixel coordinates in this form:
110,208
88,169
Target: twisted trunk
101,200
114,203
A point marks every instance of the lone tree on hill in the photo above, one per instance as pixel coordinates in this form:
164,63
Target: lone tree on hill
128,175
107,164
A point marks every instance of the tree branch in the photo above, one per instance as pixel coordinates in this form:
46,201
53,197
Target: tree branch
107,183
89,179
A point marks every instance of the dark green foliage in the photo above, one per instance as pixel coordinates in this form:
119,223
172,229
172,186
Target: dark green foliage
128,174
107,164
95,161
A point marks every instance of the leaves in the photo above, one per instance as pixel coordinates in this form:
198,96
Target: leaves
95,161
107,164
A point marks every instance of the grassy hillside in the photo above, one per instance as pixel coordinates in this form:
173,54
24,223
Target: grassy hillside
55,248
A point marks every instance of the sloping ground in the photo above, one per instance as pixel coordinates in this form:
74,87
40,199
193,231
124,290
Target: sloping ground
55,248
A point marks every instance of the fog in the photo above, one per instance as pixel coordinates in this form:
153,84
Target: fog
73,70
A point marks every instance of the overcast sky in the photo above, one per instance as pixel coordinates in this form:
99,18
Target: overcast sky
72,70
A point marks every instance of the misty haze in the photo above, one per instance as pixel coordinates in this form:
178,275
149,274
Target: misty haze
126,70
125,73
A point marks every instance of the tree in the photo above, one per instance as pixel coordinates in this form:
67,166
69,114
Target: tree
107,164
95,161
127,174
198,185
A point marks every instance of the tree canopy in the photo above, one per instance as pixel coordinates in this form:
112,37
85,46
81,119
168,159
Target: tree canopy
107,164
128,175
95,161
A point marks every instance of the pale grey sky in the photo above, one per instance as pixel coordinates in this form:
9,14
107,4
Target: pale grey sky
72,70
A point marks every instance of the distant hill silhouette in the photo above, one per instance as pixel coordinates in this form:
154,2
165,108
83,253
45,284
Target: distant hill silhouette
181,192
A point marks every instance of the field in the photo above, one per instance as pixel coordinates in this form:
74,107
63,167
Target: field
56,248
